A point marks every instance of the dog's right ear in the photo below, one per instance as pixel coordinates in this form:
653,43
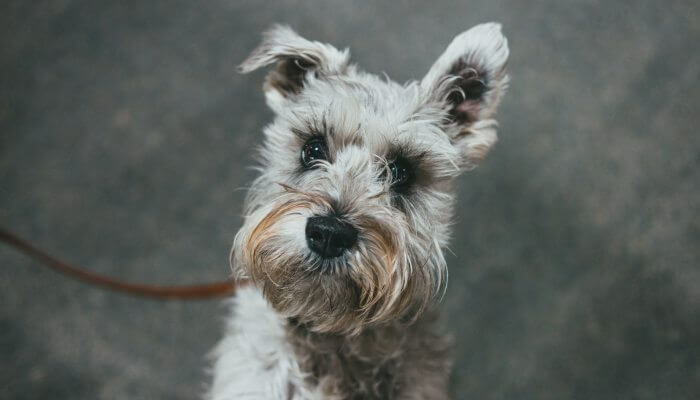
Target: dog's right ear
297,60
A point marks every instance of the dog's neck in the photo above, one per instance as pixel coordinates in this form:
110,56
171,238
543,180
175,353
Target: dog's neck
368,365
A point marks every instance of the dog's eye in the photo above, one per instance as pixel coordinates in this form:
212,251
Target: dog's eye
401,174
314,150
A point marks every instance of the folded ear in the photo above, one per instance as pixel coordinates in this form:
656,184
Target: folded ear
295,59
468,81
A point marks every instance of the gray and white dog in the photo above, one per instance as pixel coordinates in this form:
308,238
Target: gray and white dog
346,223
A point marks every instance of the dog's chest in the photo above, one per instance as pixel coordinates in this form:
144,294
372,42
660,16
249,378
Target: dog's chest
261,357
365,366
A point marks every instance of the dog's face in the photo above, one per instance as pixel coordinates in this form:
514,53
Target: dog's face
346,224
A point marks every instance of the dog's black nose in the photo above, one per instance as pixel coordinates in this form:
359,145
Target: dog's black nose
328,236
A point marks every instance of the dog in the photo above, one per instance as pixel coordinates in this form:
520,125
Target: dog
345,225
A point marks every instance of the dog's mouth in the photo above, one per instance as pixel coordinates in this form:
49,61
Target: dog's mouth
332,271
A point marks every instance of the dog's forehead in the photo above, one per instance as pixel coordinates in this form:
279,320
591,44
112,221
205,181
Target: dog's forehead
376,113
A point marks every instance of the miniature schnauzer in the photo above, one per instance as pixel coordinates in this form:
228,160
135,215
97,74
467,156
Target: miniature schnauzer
345,226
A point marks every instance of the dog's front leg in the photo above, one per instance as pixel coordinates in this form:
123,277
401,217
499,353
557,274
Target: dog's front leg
254,361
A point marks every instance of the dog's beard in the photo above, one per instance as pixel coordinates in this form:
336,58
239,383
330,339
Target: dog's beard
376,281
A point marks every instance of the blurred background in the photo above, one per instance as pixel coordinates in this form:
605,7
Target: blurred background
125,141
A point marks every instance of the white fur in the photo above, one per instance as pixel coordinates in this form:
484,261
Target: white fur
254,361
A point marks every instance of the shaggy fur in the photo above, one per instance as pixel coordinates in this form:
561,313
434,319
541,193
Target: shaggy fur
360,325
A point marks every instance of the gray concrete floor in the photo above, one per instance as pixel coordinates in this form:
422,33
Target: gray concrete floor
125,134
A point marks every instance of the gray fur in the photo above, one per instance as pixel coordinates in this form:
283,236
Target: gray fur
358,326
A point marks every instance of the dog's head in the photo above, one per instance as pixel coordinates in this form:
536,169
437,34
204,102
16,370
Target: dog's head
346,224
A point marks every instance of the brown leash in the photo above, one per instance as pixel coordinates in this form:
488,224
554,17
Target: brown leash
188,292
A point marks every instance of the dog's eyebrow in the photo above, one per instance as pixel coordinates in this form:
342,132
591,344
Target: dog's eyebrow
303,134
313,126
320,127
408,151
425,157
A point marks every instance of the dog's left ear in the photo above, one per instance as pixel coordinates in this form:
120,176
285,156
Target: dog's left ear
297,60
468,81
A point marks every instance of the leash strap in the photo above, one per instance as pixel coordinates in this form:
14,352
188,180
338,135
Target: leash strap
186,292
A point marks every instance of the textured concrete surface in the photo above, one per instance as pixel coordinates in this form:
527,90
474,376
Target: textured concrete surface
125,137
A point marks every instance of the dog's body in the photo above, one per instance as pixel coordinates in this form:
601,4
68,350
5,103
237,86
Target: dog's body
264,356
345,226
